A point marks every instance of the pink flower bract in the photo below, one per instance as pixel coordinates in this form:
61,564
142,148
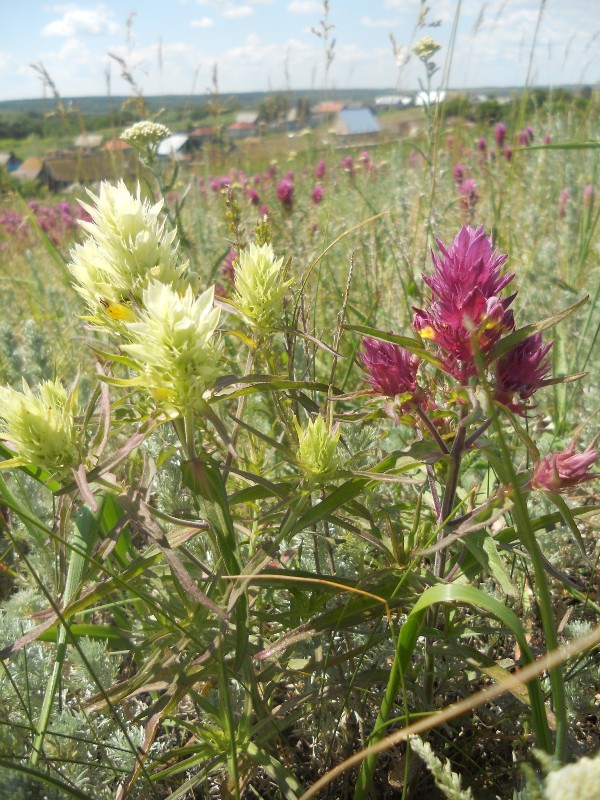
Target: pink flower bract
465,285
391,369
521,372
559,471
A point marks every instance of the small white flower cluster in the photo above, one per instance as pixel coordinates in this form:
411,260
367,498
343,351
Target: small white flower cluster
145,135
426,47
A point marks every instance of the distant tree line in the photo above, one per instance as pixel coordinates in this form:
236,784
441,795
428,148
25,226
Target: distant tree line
491,110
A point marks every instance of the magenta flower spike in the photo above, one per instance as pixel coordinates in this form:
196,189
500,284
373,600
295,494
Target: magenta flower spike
469,195
458,171
560,471
320,170
285,193
465,285
500,134
317,193
253,196
391,369
521,372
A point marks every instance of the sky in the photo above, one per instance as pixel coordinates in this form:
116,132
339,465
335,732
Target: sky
172,46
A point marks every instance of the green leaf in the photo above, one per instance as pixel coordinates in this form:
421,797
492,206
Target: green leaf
513,339
484,549
414,346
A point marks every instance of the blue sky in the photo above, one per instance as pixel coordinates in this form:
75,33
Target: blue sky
264,45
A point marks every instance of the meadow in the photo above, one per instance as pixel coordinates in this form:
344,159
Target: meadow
299,493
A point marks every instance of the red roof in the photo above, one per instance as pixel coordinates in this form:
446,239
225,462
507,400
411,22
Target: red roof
116,144
203,132
330,107
241,126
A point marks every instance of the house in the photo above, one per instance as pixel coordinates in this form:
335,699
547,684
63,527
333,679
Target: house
247,117
115,146
393,101
9,161
201,136
329,108
30,169
66,169
242,130
356,122
61,170
429,98
175,147
88,141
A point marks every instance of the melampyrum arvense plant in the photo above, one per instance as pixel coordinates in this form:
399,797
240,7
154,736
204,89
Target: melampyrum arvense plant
231,608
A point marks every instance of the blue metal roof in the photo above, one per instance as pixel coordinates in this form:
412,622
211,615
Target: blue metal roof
358,121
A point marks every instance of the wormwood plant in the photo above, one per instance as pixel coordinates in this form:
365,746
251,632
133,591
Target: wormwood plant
276,569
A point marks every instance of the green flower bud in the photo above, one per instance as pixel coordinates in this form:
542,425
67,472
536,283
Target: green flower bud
40,427
259,289
317,447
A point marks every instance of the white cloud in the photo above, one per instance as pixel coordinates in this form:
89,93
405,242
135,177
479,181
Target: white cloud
205,22
81,21
7,64
304,7
379,23
237,12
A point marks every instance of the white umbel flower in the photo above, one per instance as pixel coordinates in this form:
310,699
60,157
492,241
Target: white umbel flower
145,134
174,346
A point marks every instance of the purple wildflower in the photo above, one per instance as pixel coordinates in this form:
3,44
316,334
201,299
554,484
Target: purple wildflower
458,171
559,471
521,372
317,193
320,170
500,134
348,165
227,269
482,144
285,193
366,160
507,153
468,190
465,285
253,196
563,201
547,139
391,370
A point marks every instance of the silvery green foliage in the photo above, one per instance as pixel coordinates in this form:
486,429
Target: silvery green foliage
89,752
580,780
584,676
448,782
